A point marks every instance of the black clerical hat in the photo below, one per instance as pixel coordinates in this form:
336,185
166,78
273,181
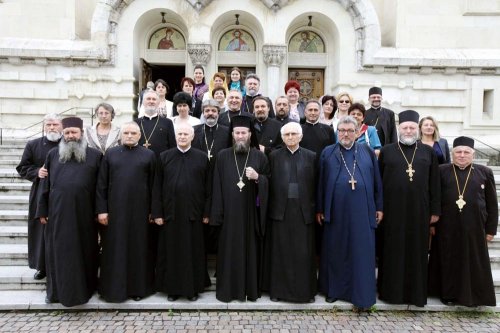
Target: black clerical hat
72,122
241,121
408,115
463,141
375,90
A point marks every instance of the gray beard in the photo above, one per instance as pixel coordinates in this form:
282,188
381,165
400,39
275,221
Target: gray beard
76,149
241,147
150,112
211,121
407,141
53,136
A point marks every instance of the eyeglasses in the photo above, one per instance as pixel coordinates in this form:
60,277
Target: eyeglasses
345,102
344,131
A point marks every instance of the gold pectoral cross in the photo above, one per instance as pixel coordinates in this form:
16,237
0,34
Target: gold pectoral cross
410,172
353,183
147,144
460,202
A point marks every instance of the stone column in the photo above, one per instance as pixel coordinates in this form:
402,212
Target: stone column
273,57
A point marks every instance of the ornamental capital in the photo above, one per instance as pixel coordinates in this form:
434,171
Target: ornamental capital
274,54
199,53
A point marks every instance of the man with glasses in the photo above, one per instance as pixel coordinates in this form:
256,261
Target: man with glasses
290,235
349,204
381,118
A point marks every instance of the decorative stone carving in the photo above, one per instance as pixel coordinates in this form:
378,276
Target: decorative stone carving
274,54
199,53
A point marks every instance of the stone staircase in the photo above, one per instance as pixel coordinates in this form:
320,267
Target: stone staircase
18,289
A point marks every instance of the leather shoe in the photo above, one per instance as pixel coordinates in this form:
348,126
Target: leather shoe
39,275
50,301
172,298
330,300
194,298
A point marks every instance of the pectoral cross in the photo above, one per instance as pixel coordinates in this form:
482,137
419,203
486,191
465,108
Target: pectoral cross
147,144
410,172
353,183
460,202
240,184
209,154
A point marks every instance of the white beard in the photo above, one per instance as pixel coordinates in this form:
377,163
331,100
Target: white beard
53,136
407,141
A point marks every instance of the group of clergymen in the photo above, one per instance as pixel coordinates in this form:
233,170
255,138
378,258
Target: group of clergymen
271,195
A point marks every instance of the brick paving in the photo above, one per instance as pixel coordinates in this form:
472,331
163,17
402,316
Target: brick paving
254,321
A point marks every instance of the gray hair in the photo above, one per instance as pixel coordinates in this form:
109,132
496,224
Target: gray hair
150,91
184,125
348,120
210,102
252,76
52,116
129,123
292,125
313,101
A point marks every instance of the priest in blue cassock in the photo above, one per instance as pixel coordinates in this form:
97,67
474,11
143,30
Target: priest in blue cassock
349,203
124,202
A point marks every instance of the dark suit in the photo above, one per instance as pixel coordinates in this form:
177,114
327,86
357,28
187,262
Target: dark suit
268,133
383,120
445,149
247,105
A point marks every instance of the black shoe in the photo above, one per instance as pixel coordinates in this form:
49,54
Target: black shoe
330,299
172,298
312,300
274,299
50,301
251,299
136,298
39,275
194,298
448,301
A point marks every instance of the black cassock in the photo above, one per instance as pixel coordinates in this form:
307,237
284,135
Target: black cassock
125,192
158,131
215,139
268,134
290,249
315,138
459,264
241,215
408,206
181,268
67,197
32,160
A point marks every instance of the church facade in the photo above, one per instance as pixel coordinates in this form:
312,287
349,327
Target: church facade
440,58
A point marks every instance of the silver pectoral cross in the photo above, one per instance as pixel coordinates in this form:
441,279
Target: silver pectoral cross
209,154
240,184
353,182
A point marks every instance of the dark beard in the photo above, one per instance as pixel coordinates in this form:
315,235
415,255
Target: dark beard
76,149
241,147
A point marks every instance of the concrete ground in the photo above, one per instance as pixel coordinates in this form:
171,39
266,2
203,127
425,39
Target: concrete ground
249,321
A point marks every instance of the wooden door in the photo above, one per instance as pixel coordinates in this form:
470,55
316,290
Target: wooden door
147,74
311,82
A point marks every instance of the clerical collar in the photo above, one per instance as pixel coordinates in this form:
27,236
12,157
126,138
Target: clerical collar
263,121
151,117
465,167
407,145
376,108
130,147
293,151
282,119
317,121
183,151
349,147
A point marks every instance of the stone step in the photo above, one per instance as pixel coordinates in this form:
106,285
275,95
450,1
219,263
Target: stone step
494,258
13,234
13,254
14,202
11,154
17,188
19,278
6,164
13,217
10,175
